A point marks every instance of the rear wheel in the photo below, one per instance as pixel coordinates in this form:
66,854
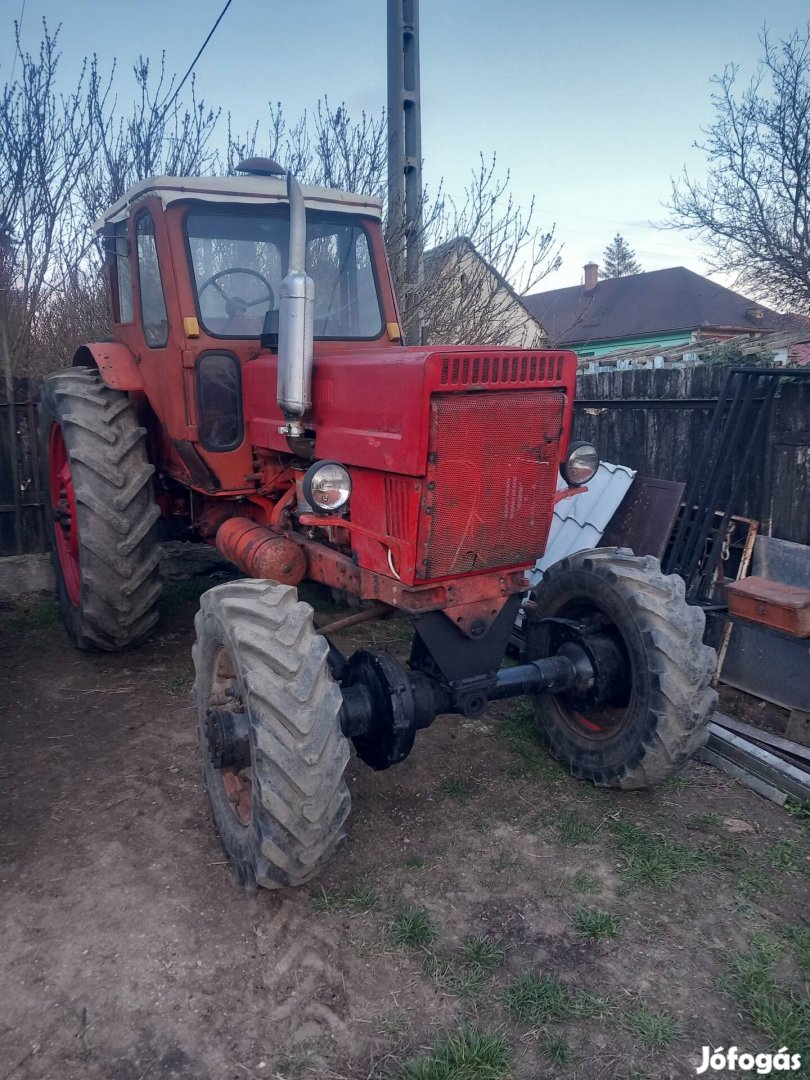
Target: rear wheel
646,712
280,803
98,482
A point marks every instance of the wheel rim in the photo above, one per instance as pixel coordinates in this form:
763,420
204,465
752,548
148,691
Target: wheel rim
237,784
603,712
63,508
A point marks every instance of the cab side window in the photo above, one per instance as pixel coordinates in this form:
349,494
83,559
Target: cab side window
122,293
153,303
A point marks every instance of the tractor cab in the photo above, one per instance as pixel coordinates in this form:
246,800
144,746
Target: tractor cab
196,270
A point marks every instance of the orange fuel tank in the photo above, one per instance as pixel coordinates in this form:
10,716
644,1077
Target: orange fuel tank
260,553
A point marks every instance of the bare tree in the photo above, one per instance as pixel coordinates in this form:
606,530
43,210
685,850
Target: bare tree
159,136
47,143
65,158
753,210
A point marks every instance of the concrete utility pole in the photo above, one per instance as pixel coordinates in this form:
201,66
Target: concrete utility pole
405,153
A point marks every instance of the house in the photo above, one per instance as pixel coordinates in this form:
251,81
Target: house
663,308
467,302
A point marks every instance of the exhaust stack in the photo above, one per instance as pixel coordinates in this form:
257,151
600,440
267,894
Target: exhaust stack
295,323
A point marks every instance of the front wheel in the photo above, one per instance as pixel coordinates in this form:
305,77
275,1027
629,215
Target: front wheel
646,711
280,801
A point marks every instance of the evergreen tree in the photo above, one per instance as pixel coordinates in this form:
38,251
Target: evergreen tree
619,259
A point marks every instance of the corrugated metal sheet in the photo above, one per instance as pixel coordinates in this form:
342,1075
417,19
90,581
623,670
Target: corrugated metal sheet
580,521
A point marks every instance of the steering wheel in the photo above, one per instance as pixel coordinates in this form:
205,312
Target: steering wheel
235,305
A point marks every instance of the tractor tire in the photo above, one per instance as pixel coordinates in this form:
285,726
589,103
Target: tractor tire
280,817
97,483
660,718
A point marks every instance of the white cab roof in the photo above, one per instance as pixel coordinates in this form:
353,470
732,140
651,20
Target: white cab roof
237,189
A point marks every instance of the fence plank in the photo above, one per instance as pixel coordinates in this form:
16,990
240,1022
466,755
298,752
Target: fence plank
655,421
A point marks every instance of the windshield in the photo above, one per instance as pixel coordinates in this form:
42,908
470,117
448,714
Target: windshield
239,258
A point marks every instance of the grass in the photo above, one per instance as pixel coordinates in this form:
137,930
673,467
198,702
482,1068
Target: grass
583,882
178,685
789,856
456,788
505,863
800,810
799,938
757,879
595,925
468,1054
569,830
361,898
412,928
531,759
466,982
780,1011
298,1062
416,862
469,984
535,999
557,1050
588,1006
26,616
655,1030
483,952
652,861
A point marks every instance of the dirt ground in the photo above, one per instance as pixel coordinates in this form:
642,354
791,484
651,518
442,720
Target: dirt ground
489,917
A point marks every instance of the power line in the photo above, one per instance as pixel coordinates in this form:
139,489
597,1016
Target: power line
196,58
19,31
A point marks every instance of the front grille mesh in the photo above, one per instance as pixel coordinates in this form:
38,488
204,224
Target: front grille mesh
494,461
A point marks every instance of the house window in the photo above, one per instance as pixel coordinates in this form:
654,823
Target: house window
153,304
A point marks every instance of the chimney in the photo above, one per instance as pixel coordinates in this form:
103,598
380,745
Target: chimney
591,276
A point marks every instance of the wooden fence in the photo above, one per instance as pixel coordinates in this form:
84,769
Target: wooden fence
653,421
21,519
656,422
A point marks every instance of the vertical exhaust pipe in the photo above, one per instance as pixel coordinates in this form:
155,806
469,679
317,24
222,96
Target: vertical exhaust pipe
295,323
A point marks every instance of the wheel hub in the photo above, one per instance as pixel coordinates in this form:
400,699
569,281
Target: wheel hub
227,734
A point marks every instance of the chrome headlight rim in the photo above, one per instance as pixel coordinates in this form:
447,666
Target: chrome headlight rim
567,467
341,481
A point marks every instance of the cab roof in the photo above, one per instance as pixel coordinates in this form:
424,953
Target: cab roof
245,190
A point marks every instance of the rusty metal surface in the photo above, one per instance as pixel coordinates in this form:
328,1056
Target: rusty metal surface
646,517
771,603
493,463
260,553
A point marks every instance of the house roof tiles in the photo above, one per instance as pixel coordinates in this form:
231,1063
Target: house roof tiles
654,302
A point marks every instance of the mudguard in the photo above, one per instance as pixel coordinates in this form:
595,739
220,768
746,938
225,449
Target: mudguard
115,364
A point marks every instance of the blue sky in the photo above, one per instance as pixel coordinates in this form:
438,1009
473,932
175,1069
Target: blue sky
593,106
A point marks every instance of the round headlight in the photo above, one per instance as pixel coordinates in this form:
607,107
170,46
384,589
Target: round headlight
327,486
581,464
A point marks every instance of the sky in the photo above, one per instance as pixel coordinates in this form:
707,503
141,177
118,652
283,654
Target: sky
593,107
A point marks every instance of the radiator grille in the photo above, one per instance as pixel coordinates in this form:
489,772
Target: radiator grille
494,461
397,507
500,370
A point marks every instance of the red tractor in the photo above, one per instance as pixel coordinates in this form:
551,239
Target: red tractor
257,394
